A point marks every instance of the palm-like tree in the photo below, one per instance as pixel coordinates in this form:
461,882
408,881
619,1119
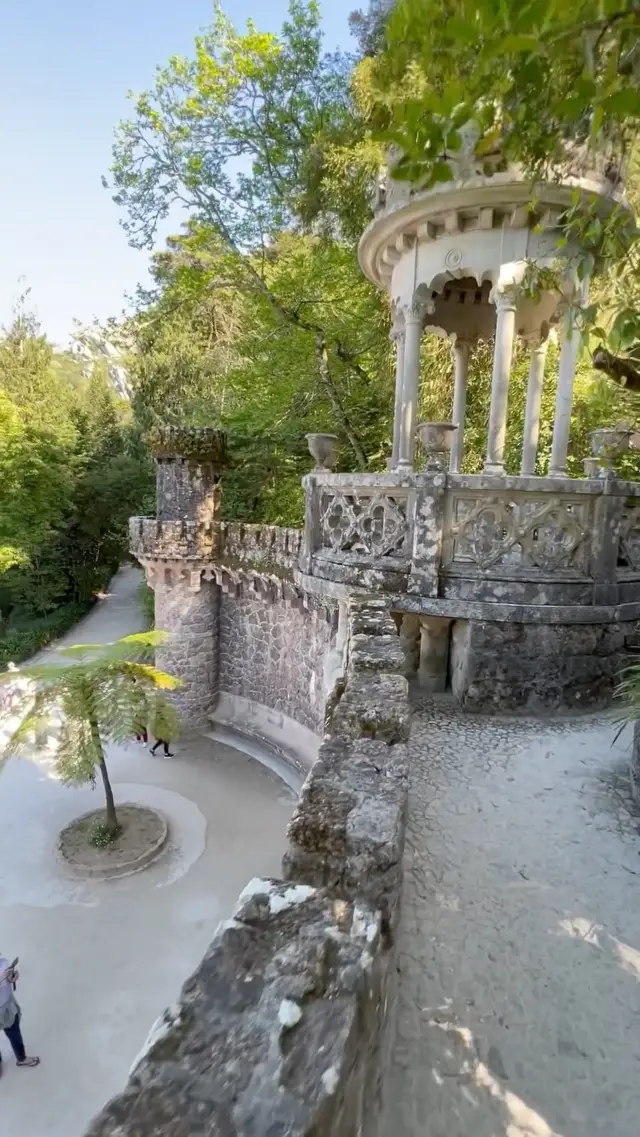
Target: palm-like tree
98,696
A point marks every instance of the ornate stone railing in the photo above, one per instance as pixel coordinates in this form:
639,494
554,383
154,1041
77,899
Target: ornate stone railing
514,540
358,528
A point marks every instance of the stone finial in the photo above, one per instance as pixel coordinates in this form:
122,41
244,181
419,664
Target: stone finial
322,448
199,444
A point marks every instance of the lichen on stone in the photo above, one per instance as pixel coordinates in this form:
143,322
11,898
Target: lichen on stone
193,443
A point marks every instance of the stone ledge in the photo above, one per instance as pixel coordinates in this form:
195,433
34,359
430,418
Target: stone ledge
282,1028
487,611
347,831
271,1033
374,705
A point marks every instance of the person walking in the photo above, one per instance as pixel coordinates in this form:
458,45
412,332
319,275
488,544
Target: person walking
10,1015
140,713
165,744
164,723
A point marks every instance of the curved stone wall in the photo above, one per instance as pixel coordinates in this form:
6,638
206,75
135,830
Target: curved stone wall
282,1030
274,655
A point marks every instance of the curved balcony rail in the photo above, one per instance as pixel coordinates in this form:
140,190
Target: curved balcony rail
508,540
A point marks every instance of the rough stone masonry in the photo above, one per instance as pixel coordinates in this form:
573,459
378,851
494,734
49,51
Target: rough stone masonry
283,1030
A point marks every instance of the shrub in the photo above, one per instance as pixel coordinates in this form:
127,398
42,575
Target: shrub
101,835
22,642
147,600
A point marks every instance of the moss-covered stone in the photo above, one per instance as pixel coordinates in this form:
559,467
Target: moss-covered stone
199,444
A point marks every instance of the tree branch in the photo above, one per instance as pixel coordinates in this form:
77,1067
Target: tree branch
341,415
621,369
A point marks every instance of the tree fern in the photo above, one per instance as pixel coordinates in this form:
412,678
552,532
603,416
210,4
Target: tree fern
99,694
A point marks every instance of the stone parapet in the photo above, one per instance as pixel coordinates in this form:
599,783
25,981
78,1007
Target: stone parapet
517,541
284,1027
269,548
151,538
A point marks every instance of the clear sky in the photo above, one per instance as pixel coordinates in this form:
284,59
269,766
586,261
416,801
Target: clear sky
65,69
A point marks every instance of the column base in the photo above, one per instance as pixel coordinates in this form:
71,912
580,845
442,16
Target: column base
495,468
536,667
434,654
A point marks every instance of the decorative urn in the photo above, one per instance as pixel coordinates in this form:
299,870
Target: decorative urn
607,443
436,439
322,448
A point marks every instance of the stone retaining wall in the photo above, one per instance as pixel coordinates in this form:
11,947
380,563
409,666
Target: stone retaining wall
274,655
557,666
282,1030
634,767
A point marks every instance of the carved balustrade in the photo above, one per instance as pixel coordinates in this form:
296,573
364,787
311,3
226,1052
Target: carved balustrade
508,540
358,528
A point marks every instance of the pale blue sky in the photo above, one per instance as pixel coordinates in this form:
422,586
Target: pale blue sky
65,69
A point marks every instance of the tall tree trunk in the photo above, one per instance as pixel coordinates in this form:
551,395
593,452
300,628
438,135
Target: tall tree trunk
112,818
336,402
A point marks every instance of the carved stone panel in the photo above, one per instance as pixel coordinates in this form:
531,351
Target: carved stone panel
372,525
518,531
629,547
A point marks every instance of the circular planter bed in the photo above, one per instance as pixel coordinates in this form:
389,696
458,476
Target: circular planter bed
142,839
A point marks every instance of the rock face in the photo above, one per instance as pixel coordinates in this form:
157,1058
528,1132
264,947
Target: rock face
283,1030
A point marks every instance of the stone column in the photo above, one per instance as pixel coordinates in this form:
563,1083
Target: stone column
460,352
410,642
564,402
188,608
434,653
312,537
413,316
532,410
502,355
397,337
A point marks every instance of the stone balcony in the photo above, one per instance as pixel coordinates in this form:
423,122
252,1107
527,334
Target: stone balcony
447,541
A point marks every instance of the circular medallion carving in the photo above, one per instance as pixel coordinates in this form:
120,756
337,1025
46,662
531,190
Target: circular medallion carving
453,258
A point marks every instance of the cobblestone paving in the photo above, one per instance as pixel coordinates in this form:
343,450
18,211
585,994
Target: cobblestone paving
519,999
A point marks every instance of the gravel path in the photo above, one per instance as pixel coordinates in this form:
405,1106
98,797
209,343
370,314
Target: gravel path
520,939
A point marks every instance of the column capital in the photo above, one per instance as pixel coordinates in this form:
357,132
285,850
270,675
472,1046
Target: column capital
415,311
506,300
398,330
461,347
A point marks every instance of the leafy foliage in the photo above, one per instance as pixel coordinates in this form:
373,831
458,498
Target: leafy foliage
259,318
72,469
98,694
541,84
101,835
30,635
